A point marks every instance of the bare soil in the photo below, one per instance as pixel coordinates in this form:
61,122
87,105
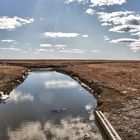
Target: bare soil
115,84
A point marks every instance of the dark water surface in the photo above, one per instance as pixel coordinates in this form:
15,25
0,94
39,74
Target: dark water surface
48,106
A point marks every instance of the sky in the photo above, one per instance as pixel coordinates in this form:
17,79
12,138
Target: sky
70,29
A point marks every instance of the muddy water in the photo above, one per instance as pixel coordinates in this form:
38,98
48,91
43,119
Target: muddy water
48,106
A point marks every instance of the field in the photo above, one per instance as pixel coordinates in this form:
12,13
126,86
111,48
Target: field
119,80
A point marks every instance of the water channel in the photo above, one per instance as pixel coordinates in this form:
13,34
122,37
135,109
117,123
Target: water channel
49,106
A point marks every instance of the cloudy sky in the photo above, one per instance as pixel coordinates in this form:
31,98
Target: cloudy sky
70,29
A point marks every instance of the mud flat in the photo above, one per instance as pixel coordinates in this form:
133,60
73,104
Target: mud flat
116,85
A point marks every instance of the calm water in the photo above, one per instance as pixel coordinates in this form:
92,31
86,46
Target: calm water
48,106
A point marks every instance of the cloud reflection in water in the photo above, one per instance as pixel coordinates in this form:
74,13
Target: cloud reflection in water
18,96
60,84
69,128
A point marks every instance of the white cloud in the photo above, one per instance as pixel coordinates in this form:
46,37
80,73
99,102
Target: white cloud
107,2
11,49
90,11
105,24
123,22
41,18
44,50
95,51
98,2
45,45
106,38
137,33
60,84
8,40
79,1
133,43
72,51
119,21
77,51
41,50
10,23
60,46
114,17
51,50
85,36
136,43
60,35
123,40
135,49
129,23
135,46
124,29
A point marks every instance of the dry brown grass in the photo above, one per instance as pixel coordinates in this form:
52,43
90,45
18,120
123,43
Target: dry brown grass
121,108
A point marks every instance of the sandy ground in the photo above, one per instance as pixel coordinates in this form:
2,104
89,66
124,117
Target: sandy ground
119,98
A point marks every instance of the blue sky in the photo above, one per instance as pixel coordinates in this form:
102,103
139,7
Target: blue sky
70,29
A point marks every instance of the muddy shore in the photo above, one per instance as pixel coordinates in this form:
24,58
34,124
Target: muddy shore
115,84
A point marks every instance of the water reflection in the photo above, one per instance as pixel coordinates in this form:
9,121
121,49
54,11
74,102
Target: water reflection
60,84
48,104
18,96
68,129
